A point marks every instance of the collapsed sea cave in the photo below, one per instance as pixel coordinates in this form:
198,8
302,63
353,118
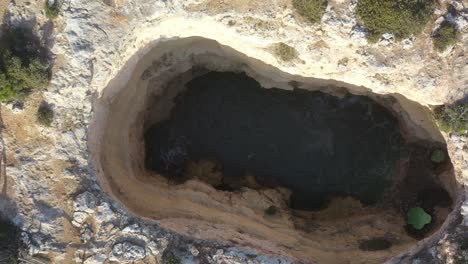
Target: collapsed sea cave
228,131
215,145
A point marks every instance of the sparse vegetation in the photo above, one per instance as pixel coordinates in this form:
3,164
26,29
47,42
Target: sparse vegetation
445,36
21,69
52,10
312,10
399,17
45,114
418,218
285,52
453,118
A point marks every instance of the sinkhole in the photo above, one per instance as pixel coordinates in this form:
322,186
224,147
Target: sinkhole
216,145
317,145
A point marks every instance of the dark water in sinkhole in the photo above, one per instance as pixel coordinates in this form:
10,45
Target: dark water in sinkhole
315,144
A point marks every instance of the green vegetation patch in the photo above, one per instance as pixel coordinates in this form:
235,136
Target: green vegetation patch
285,52
21,69
402,18
45,114
445,36
453,118
52,10
418,218
312,10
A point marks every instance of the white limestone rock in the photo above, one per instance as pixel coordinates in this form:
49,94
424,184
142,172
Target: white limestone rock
127,251
157,246
85,202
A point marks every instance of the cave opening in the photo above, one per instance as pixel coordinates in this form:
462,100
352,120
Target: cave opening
216,145
226,130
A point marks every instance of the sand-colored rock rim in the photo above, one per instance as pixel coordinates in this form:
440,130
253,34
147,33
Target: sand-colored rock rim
153,76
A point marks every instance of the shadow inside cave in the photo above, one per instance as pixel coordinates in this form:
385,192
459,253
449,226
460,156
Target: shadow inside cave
315,144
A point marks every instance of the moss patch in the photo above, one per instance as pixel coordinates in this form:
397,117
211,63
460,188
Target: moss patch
399,17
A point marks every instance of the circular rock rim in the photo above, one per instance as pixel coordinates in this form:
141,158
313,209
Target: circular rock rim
116,143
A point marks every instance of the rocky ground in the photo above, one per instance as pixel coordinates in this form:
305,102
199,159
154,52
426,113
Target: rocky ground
48,186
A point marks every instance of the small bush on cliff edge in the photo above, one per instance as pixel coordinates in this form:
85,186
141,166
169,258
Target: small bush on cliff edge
453,118
402,18
21,68
445,36
312,10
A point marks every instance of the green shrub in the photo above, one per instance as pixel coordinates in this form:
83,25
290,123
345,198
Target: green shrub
453,118
285,52
445,36
402,18
21,69
418,218
311,9
45,114
52,11
17,80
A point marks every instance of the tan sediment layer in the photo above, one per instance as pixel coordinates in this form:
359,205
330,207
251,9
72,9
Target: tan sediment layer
197,209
